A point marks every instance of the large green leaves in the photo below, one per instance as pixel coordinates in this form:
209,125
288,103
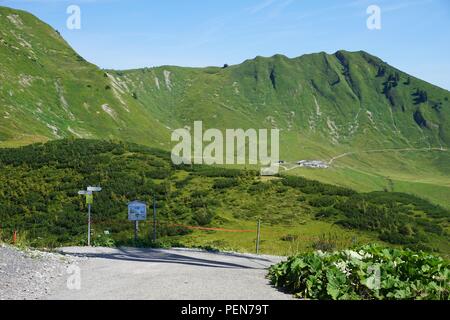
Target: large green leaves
369,272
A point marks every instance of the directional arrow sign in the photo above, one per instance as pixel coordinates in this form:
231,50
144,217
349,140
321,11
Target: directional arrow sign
94,189
83,193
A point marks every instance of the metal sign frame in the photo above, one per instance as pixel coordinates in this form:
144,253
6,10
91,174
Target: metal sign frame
137,211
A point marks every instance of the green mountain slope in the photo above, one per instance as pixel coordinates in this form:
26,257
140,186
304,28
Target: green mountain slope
347,103
47,91
336,100
340,99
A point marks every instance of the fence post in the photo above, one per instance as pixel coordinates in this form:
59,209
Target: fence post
15,237
258,236
154,218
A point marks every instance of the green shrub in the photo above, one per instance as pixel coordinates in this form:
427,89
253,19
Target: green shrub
326,242
290,238
322,201
39,184
327,212
281,189
171,231
259,187
370,273
103,240
160,173
203,216
213,172
199,193
225,183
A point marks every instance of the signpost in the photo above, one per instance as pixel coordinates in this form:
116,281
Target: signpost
94,189
89,201
137,211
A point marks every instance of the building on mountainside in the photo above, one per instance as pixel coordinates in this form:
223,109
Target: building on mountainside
315,164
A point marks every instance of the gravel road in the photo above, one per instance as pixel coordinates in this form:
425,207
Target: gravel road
30,274
176,274
128,273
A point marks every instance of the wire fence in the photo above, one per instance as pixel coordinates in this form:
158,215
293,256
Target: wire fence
268,238
264,238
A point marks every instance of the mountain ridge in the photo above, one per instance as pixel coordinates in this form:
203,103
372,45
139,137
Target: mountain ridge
273,56
274,70
324,105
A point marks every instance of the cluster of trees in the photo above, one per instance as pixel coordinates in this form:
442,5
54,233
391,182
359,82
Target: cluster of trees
39,184
421,96
393,80
437,106
315,187
389,86
398,218
394,216
381,71
209,171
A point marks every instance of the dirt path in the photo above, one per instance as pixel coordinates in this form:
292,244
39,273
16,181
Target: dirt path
332,160
385,150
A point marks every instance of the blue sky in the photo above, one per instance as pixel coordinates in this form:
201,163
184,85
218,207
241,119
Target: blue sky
124,34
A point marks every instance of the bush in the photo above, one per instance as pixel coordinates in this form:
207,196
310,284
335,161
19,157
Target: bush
160,173
103,240
213,172
203,217
44,207
315,187
199,194
399,238
259,187
323,201
224,183
326,242
197,203
290,238
366,273
171,231
327,212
